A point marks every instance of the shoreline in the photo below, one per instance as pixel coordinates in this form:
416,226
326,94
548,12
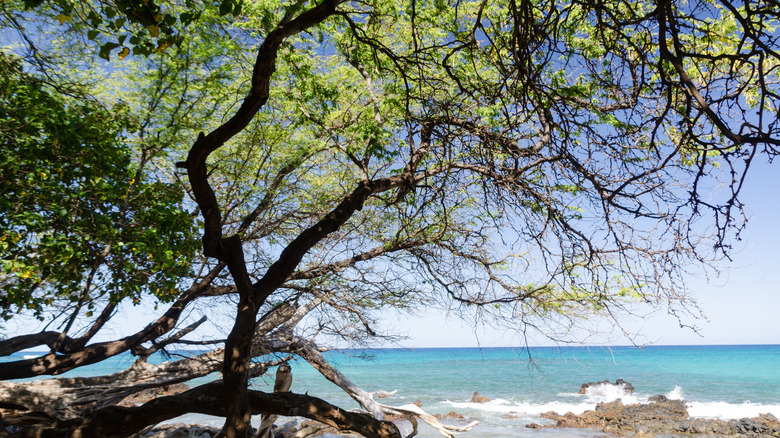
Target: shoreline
661,418
725,383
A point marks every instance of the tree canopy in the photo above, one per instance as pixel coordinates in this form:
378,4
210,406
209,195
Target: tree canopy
542,162
77,215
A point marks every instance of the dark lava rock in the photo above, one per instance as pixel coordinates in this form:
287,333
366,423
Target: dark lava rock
179,431
476,398
748,426
663,417
450,414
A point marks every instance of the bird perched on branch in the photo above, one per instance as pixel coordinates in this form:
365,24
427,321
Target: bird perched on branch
282,384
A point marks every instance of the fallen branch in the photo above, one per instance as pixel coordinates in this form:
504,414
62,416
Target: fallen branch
412,412
209,399
69,398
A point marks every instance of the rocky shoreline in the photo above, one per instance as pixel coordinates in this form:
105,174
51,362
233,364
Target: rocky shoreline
666,419
660,417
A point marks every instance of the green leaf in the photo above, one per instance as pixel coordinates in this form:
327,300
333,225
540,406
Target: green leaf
225,7
29,4
105,50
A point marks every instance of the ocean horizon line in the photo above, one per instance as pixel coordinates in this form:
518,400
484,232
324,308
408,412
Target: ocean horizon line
517,347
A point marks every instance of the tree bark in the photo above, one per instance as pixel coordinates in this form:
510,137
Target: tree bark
19,343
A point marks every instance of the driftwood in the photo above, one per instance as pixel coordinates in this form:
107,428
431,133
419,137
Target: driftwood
366,399
210,399
283,340
84,404
412,412
70,398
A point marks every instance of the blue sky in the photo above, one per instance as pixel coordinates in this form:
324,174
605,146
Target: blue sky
742,306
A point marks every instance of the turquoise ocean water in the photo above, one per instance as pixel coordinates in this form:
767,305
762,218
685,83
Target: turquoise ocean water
715,381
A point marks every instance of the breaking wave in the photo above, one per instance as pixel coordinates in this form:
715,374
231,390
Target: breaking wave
579,403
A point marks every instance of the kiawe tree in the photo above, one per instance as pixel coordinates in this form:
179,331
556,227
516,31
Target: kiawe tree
543,162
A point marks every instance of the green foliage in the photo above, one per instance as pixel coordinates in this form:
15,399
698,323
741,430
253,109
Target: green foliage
141,26
77,214
560,131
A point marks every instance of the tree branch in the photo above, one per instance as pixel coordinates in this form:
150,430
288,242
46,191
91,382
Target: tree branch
210,399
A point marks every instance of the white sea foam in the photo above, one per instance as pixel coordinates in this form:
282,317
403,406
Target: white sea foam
675,394
501,406
579,403
728,411
607,392
723,410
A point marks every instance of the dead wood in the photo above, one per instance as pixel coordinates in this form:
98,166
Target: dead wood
115,421
69,398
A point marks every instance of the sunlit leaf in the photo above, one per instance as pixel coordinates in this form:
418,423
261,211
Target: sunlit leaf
163,45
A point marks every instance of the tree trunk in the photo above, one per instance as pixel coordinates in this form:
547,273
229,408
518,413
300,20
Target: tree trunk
228,250
237,358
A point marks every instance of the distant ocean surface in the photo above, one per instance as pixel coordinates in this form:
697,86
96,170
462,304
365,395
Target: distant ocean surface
726,382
